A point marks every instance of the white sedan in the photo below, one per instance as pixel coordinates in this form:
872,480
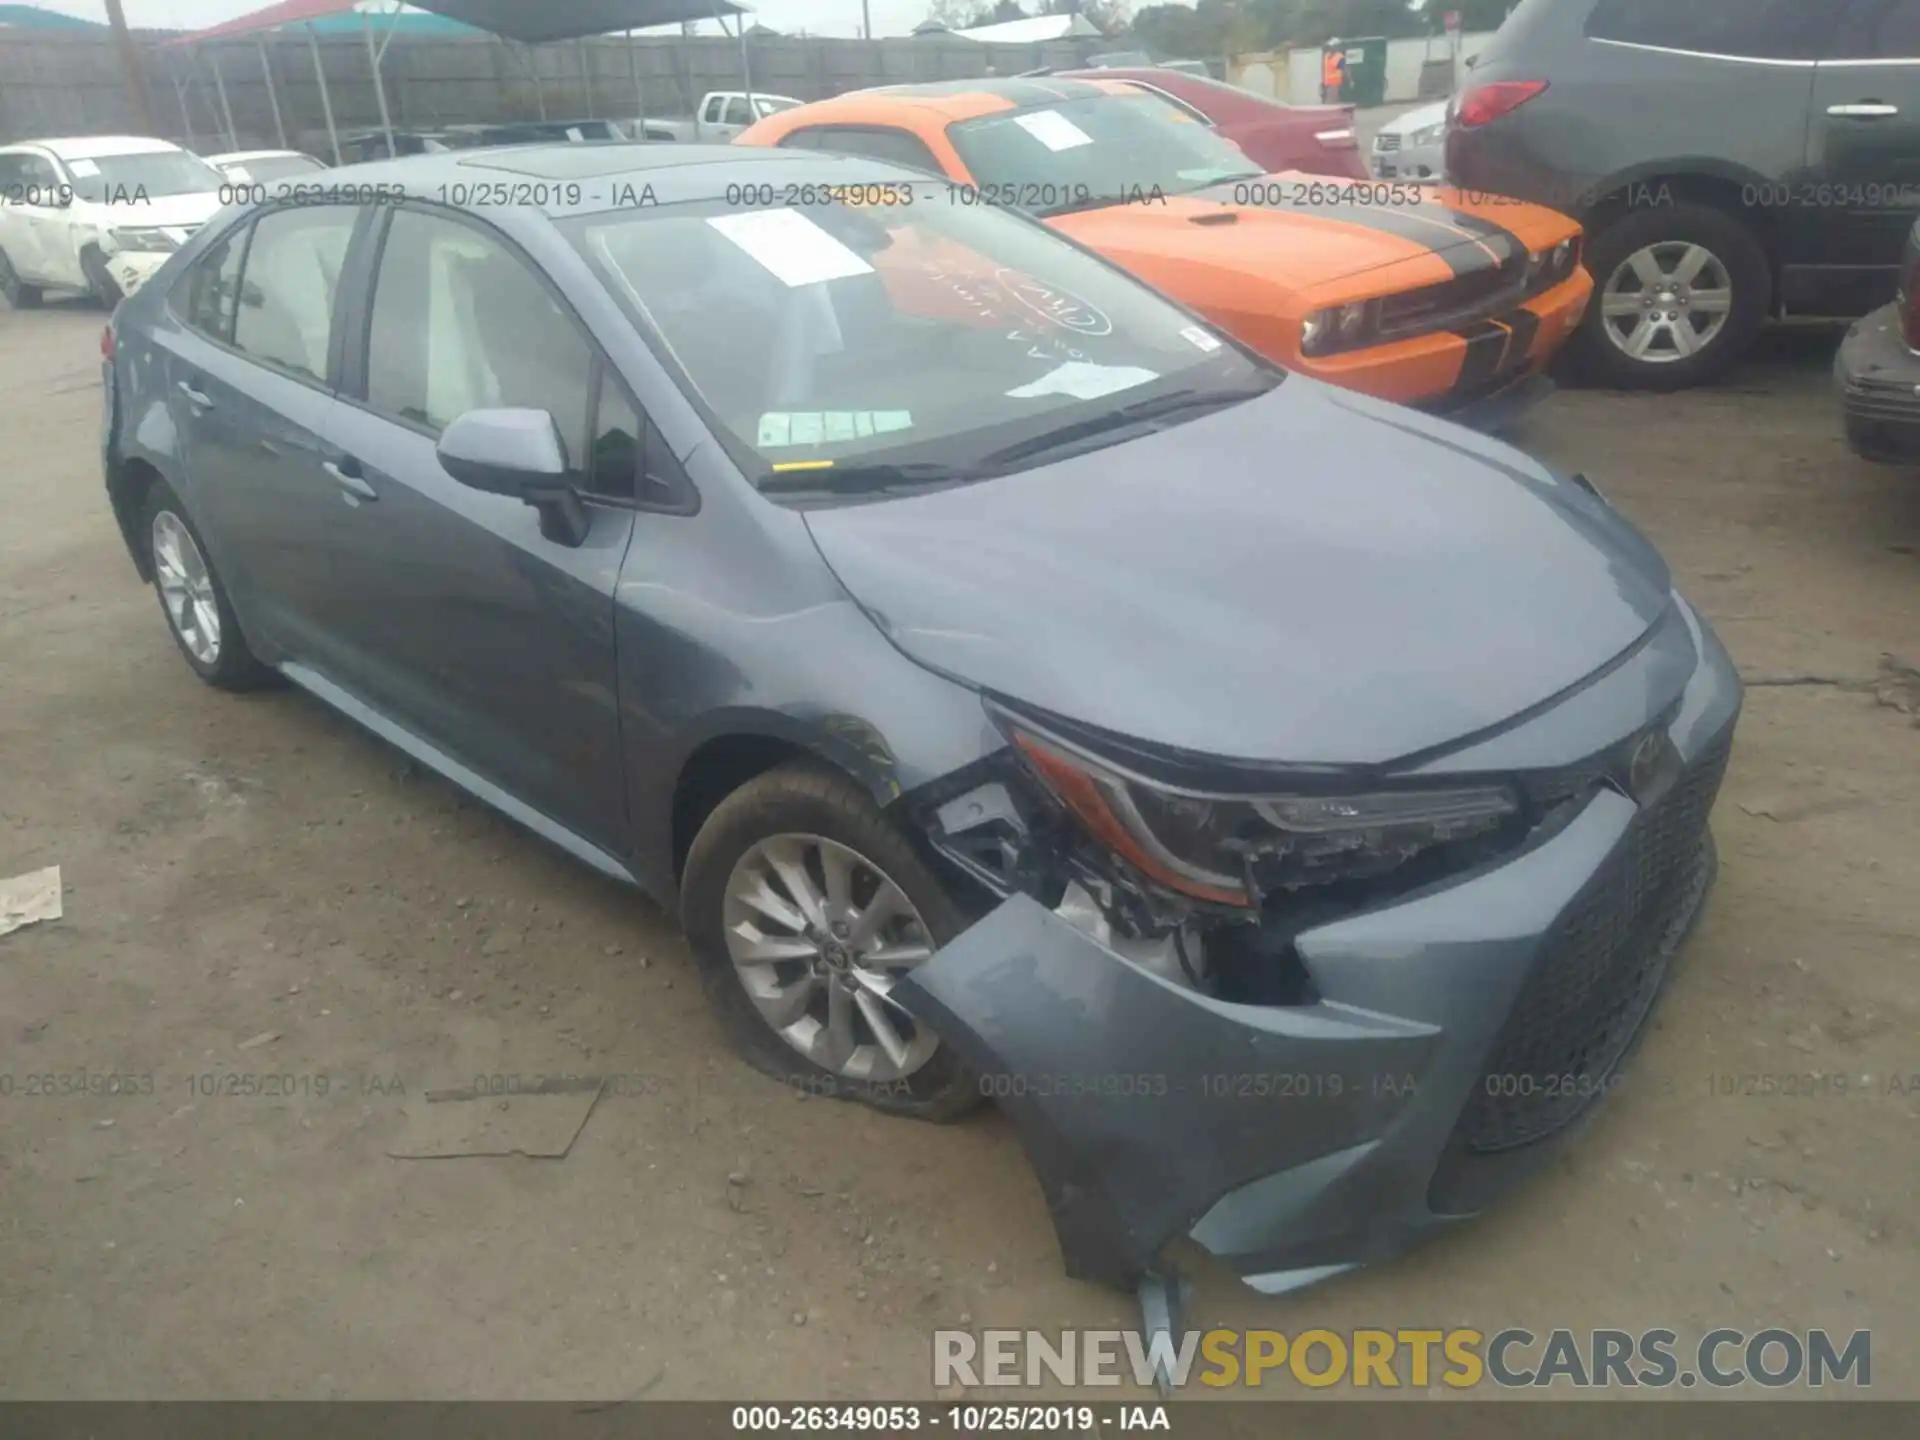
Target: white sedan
1413,146
97,214
263,167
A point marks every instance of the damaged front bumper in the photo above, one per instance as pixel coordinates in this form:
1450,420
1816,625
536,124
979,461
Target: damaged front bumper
1454,1036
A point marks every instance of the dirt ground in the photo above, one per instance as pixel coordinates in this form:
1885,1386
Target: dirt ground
246,867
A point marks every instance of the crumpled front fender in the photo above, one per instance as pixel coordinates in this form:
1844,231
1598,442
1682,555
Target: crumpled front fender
1140,1103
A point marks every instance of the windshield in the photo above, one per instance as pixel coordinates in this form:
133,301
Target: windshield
272,167
837,338
120,178
1102,150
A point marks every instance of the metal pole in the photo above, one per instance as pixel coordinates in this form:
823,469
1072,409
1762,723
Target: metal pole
379,90
866,20
273,95
586,74
326,100
186,110
746,68
532,61
639,90
226,110
130,67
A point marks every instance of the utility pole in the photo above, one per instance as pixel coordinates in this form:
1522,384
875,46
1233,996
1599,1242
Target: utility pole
130,67
866,20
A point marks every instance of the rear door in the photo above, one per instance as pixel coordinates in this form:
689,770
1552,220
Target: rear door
249,360
1864,176
462,622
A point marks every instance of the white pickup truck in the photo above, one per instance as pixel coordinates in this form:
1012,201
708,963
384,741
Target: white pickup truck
723,114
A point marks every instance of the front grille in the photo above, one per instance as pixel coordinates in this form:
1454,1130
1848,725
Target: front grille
1386,142
1465,297
1598,971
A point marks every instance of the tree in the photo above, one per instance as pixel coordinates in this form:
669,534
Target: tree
1475,15
1109,17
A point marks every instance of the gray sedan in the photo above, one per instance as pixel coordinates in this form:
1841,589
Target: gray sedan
1286,806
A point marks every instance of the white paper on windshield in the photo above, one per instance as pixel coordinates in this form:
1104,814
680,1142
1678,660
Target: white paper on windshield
1199,339
1053,130
790,246
1084,381
85,169
780,428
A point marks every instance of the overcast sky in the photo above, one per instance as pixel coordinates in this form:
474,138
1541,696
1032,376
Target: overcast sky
816,17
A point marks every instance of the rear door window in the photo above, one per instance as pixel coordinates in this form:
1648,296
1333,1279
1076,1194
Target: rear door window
288,284
1741,29
737,111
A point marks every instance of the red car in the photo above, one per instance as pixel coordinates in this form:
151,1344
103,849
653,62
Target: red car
1316,138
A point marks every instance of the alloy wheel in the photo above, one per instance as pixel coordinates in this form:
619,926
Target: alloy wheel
1666,302
818,934
186,588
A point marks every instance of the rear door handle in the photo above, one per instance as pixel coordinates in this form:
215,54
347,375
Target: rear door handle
1864,110
346,474
196,398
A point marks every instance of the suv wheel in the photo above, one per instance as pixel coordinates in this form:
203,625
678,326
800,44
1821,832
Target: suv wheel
1680,293
199,614
803,904
20,295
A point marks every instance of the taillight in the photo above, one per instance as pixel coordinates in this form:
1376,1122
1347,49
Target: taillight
106,343
1484,104
1910,308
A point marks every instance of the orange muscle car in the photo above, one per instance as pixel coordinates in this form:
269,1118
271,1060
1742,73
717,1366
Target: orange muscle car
1410,292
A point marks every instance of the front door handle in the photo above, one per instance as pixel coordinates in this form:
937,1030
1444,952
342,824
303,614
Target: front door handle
1864,110
198,399
346,474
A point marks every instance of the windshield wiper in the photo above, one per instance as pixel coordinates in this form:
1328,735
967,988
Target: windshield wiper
879,477
1124,417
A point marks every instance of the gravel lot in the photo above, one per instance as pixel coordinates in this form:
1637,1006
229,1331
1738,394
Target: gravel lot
248,867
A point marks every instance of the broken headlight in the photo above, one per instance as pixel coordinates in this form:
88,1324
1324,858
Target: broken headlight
1210,846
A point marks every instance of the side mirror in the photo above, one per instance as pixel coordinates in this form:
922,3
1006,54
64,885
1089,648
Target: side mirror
516,453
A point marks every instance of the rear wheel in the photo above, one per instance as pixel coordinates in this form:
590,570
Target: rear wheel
804,905
20,295
199,615
1680,293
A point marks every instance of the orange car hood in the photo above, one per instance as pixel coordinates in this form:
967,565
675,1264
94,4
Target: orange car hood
1206,240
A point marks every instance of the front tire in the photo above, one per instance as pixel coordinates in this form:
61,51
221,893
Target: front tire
802,902
100,280
1680,292
198,612
20,295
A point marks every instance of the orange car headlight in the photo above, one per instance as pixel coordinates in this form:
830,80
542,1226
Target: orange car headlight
1339,327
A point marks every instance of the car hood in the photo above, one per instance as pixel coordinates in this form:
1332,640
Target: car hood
1293,231
163,211
1313,577
1421,119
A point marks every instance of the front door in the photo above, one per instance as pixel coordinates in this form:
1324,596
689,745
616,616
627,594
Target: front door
465,624
1864,143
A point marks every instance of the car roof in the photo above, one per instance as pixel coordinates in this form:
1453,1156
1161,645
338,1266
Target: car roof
235,156
583,179
1016,92
92,147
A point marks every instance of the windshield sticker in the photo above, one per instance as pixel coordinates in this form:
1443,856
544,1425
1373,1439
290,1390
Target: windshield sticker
1053,130
1084,381
779,429
1199,339
790,247
85,169
1056,306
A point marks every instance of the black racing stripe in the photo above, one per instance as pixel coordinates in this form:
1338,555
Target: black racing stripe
1525,326
1487,342
1429,226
